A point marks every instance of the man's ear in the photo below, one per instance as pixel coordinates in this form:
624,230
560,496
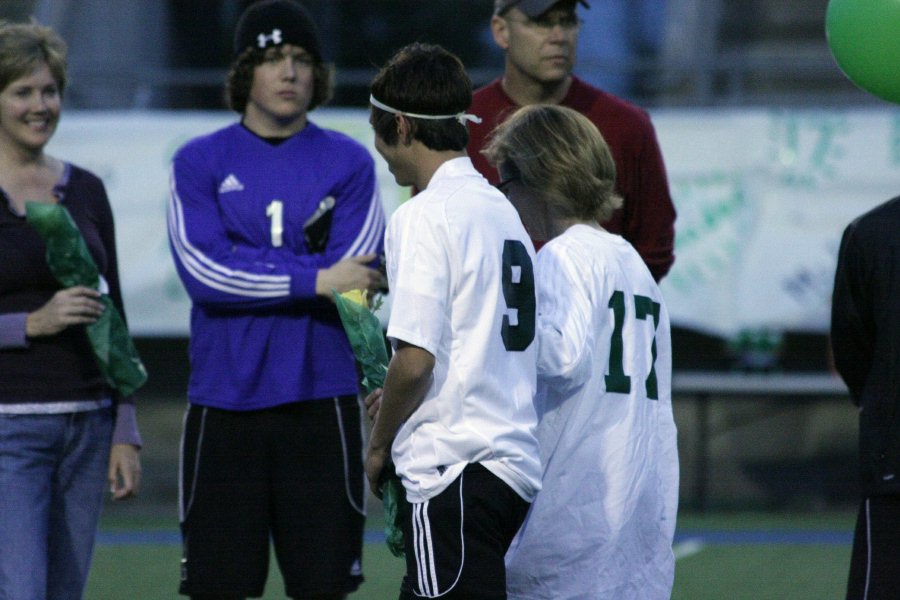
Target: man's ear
500,31
404,130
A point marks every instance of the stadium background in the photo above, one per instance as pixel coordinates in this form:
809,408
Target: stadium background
770,150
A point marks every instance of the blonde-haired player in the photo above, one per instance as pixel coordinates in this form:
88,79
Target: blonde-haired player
603,523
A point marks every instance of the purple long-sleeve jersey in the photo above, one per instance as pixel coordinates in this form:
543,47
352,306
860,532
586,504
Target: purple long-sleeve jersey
260,336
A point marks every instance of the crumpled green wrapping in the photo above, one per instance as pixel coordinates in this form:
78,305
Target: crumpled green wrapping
392,493
367,341
71,263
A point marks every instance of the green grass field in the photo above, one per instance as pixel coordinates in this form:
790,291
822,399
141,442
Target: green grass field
801,555
722,556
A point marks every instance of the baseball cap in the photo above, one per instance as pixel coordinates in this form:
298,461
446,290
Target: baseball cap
275,22
532,8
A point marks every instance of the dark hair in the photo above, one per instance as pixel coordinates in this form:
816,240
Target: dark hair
24,46
240,80
428,80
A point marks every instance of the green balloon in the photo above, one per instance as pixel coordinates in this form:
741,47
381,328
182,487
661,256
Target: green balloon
864,37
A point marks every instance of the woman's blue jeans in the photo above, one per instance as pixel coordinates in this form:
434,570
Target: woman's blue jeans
53,473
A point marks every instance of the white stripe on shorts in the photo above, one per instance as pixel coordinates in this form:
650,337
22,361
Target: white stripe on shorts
184,506
361,509
423,545
868,550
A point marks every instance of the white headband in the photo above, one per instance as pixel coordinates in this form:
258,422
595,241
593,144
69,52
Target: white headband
462,117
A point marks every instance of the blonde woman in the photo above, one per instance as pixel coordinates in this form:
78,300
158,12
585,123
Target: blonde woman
65,436
602,524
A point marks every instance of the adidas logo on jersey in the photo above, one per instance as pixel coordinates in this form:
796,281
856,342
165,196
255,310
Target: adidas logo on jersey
230,184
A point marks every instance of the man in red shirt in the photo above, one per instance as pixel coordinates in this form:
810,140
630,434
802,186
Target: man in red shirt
539,38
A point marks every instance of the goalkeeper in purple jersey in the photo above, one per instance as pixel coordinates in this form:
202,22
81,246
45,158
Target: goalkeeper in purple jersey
268,216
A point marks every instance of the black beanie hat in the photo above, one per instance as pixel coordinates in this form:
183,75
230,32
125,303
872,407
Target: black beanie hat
274,22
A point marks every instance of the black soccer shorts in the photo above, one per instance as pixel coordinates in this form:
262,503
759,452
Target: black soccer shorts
875,559
455,543
292,474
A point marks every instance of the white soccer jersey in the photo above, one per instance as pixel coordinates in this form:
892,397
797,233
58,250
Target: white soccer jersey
460,271
602,525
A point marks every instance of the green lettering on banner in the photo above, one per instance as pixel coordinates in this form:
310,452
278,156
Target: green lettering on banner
707,204
807,149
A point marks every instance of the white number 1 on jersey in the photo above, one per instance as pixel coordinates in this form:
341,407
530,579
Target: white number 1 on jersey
275,212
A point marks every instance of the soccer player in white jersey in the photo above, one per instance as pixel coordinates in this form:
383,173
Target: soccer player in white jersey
602,525
457,414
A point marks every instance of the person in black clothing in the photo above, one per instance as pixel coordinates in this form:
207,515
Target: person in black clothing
865,338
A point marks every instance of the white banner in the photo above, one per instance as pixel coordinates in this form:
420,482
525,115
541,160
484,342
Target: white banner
762,198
